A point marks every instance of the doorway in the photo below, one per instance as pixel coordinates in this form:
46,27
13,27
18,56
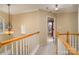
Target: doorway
51,30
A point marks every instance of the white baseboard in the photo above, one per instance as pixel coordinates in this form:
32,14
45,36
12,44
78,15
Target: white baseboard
35,50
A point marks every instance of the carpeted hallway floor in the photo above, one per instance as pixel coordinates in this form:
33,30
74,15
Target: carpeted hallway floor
49,49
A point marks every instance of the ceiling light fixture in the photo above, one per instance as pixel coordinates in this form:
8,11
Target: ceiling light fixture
56,7
9,27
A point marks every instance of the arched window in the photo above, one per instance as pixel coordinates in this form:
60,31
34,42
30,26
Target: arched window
2,25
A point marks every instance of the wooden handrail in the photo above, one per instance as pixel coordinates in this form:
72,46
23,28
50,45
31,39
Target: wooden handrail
16,39
67,45
69,33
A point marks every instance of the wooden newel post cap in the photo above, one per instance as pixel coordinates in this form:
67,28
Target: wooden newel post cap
68,33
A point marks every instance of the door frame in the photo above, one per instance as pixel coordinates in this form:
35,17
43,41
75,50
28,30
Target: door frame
53,25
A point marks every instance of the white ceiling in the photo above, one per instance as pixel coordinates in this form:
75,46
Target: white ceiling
21,8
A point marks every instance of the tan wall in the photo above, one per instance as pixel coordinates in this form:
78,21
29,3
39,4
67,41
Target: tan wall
78,18
4,15
30,20
67,22
78,26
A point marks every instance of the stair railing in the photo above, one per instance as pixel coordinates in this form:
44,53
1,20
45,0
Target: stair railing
70,42
19,45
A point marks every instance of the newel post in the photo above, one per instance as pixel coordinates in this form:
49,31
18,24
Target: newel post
68,38
0,44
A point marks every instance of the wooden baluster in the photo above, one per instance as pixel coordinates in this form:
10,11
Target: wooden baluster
74,41
20,47
23,47
77,42
71,40
12,48
6,50
16,48
26,45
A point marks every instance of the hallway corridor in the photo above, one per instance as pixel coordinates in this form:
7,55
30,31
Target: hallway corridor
39,29
49,49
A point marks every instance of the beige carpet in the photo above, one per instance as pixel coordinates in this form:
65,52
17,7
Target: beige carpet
49,49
